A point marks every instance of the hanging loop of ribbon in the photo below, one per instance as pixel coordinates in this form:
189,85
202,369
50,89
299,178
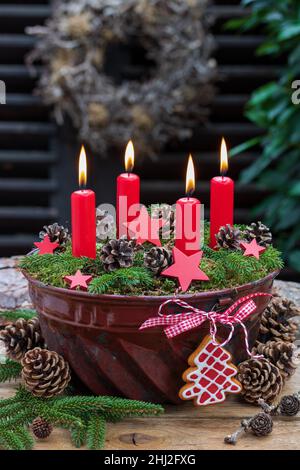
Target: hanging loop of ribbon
192,317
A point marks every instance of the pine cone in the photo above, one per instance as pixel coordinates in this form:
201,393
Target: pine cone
276,322
41,428
45,373
228,237
283,355
261,424
106,226
56,233
291,309
260,232
118,254
21,336
289,405
260,379
166,213
157,259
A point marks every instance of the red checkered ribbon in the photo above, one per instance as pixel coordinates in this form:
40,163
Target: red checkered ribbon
194,317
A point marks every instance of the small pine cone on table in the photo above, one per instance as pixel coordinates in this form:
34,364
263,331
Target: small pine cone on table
157,259
277,323
283,355
261,424
228,237
259,232
41,428
56,233
289,405
21,336
166,213
45,373
118,254
260,379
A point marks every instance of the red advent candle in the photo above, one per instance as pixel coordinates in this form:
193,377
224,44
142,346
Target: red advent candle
188,216
128,194
83,208
221,198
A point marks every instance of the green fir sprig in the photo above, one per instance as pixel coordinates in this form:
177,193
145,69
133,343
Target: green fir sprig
84,416
13,315
123,279
9,370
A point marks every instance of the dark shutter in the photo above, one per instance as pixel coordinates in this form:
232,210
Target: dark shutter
27,151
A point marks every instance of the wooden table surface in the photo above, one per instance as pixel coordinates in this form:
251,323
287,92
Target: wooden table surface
184,427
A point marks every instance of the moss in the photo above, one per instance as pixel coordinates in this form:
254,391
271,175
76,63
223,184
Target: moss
224,268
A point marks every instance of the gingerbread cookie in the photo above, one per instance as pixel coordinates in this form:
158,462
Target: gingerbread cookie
210,376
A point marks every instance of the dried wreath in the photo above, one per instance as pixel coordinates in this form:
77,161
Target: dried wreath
88,48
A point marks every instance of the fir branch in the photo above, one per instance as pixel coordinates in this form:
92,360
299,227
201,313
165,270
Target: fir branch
13,440
10,409
51,269
13,315
23,416
77,404
124,279
6,441
84,416
109,407
96,433
63,419
4,444
78,436
8,401
114,408
10,370
25,436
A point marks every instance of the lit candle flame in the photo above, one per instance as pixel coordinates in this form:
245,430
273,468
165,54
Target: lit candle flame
129,157
190,177
82,168
224,158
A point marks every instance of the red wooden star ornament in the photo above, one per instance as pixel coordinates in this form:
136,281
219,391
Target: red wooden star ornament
186,268
78,280
253,248
144,228
46,247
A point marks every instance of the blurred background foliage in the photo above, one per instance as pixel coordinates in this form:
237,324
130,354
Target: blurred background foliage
271,108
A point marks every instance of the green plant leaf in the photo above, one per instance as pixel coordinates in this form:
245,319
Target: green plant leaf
295,189
290,31
294,259
244,147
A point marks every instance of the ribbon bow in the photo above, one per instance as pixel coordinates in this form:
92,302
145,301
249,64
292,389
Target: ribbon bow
194,317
